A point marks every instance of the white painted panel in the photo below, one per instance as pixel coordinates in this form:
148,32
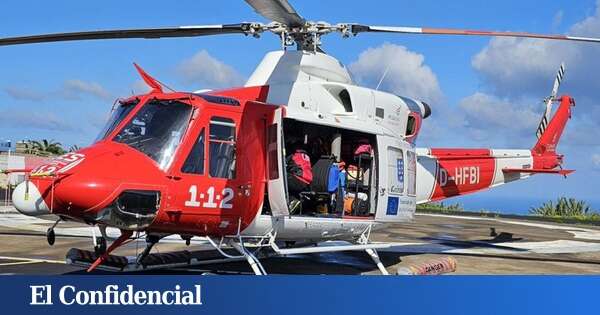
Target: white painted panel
426,176
511,159
394,205
276,186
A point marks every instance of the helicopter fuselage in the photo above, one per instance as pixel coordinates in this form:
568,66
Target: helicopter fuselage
214,163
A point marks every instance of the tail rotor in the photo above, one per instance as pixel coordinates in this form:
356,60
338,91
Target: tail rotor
549,101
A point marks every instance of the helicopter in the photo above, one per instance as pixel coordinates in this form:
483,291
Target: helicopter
216,164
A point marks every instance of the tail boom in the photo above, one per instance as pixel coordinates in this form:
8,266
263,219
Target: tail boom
445,173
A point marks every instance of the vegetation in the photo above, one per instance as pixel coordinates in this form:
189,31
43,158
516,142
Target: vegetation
563,210
74,148
440,207
44,147
566,208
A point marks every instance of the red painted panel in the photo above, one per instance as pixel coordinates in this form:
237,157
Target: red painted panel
462,176
200,210
442,153
105,169
254,93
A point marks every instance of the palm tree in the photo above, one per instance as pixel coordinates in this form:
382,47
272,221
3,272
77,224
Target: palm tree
74,148
564,207
47,147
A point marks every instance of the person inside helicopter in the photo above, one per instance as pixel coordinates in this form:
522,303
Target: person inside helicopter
318,148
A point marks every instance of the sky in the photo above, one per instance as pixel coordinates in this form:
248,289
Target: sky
484,92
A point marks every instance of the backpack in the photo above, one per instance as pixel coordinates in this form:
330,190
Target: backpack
299,166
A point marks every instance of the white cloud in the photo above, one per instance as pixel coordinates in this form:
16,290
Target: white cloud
407,73
140,87
70,90
596,161
581,132
76,89
524,69
557,19
516,67
24,94
206,71
34,120
486,116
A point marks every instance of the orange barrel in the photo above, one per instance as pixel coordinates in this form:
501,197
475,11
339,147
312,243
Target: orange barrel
433,267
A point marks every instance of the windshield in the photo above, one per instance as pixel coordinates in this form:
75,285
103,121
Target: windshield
118,114
156,130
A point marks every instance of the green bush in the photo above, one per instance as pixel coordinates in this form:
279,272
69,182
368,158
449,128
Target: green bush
565,207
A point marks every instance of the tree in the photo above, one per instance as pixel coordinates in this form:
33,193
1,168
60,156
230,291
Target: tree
74,148
47,147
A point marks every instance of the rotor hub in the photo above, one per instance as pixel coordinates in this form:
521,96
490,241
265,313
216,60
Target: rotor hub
305,37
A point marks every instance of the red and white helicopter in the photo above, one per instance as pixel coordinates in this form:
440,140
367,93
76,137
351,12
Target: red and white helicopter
213,164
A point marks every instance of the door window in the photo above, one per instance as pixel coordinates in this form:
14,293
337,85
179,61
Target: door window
395,171
194,163
272,158
411,173
222,148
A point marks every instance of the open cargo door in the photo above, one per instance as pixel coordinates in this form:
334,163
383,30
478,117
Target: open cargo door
277,181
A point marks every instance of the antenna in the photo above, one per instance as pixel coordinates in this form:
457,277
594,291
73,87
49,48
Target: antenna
382,77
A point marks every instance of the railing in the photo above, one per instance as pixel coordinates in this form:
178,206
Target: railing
6,197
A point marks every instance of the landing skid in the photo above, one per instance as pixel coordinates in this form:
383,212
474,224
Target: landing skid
228,249
170,260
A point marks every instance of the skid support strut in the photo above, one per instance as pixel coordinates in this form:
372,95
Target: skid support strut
250,258
237,242
364,239
125,235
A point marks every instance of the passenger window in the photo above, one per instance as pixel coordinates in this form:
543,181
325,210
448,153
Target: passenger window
222,148
194,164
346,100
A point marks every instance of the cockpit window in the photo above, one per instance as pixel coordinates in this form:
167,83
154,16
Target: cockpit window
119,113
156,130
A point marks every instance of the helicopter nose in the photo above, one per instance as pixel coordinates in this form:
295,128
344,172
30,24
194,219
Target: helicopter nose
27,200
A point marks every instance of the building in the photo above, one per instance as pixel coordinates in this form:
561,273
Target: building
11,161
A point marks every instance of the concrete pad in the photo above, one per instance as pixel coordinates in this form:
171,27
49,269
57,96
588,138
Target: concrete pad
480,245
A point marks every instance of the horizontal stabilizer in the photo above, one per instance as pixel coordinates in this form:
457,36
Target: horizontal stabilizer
537,171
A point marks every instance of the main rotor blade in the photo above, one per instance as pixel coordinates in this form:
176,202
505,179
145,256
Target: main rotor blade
357,28
277,10
179,31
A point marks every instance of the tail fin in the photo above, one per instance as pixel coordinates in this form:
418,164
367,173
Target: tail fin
545,158
549,137
550,129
